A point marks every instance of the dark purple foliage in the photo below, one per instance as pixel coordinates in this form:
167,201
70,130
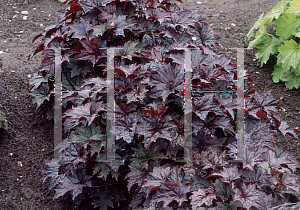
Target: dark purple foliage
149,113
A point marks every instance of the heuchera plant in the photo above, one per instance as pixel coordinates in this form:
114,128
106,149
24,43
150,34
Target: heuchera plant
283,45
151,172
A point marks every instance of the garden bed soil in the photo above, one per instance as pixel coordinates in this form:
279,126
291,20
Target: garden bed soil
28,144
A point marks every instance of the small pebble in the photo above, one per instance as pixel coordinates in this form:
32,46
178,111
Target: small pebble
233,24
13,72
21,32
2,51
41,24
11,154
24,12
194,38
34,8
25,17
29,76
296,128
199,2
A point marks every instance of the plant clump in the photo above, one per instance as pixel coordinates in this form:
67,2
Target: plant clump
150,171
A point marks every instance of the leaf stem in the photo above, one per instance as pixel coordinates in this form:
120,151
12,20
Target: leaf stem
100,126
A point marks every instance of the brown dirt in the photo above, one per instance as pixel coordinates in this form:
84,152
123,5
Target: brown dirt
29,140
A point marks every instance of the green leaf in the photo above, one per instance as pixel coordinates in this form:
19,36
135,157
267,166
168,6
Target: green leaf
36,81
294,7
277,73
292,81
41,94
266,47
79,68
229,206
296,70
100,29
104,170
143,155
258,35
2,86
297,34
3,121
103,199
277,10
90,135
222,189
129,50
289,54
287,25
256,26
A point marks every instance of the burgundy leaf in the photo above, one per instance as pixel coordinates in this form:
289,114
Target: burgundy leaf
200,197
171,192
229,174
284,128
89,5
158,14
203,105
153,126
122,109
135,176
253,156
183,19
97,84
258,175
274,161
212,158
126,128
211,123
74,184
291,181
128,71
92,51
226,102
250,196
120,24
205,34
157,177
51,171
83,113
80,30
137,94
166,81
256,133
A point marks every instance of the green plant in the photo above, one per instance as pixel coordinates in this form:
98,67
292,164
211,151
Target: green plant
283,45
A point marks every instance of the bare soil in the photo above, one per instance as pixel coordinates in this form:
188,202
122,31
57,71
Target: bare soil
29,142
